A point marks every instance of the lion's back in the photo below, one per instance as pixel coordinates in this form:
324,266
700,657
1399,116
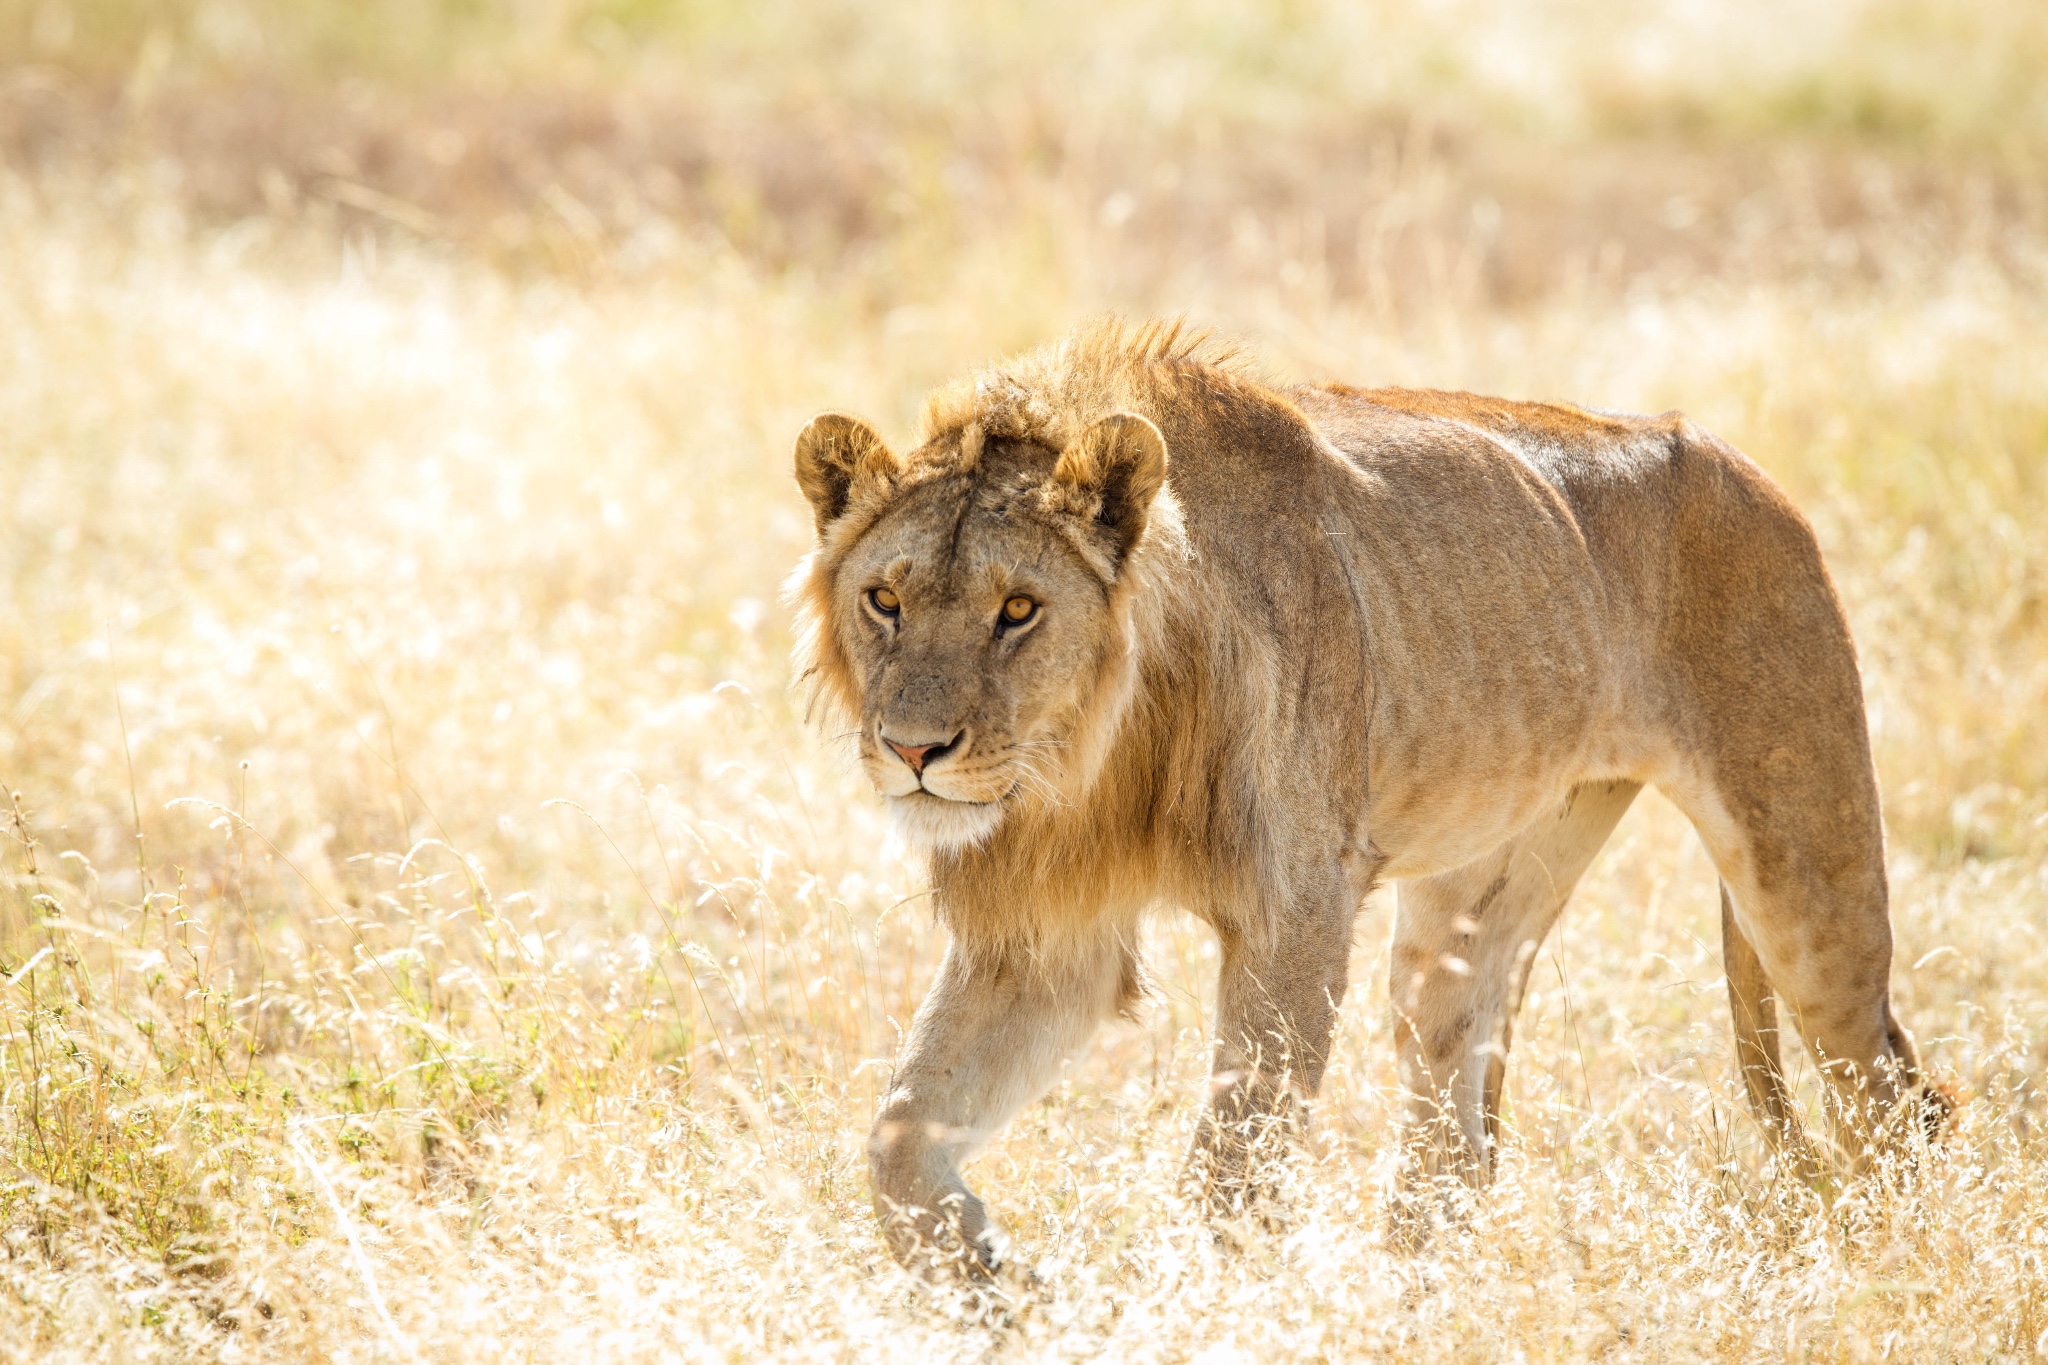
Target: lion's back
1607,467
1657,500
1704,563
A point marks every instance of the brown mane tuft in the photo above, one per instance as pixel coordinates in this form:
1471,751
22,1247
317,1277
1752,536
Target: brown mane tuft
1049,395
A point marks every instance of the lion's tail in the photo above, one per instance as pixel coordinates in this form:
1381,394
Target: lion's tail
1755,1008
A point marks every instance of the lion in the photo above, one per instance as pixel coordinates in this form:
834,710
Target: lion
1130,628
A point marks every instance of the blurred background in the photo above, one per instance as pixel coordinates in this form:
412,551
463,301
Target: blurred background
416,844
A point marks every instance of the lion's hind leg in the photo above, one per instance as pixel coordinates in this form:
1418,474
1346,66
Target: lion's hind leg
1823,945
1754,1008
1758,684
1463,944
1806,921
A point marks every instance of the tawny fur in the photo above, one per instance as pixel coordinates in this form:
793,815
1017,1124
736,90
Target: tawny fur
1291,643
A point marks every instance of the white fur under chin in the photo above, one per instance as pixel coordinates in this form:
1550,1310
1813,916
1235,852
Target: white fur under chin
929,821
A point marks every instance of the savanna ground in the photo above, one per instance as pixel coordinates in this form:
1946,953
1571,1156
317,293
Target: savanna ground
428,929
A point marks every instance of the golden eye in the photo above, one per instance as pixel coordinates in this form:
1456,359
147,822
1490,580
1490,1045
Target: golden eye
1018,610
884,601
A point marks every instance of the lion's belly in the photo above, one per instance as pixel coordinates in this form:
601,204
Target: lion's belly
1452,832
1442,799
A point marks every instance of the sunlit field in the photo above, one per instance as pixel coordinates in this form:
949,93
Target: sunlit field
429,929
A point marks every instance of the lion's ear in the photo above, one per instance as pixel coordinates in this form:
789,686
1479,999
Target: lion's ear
1112,472
834,452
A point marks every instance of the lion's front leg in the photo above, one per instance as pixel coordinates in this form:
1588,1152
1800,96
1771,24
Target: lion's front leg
1276,1003
986,1041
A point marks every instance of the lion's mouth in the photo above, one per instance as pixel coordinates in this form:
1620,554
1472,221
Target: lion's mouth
995,800
926,817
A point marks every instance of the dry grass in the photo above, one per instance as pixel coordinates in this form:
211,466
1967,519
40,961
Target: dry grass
428,931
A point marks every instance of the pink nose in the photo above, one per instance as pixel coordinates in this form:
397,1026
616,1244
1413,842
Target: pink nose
912,754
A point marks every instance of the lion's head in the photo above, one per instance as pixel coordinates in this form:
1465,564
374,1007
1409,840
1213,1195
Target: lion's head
969,603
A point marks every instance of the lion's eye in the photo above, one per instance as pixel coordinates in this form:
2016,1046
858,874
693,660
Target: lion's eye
1018,610
884,601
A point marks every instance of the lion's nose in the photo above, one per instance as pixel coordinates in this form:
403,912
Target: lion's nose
917,756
